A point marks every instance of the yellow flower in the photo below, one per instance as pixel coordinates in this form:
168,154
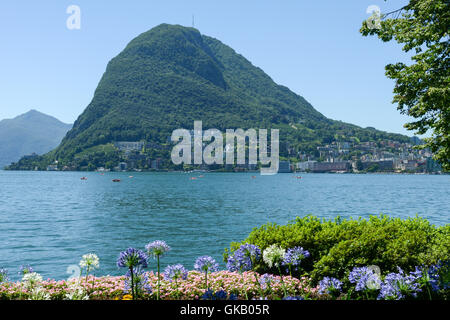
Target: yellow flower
127,297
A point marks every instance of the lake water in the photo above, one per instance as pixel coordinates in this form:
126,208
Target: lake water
50,219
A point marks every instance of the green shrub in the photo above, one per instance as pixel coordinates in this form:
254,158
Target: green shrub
338,245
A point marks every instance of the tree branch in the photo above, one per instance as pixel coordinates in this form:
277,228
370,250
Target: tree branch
392,12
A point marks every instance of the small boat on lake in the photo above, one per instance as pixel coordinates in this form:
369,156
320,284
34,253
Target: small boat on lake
83,178
116,180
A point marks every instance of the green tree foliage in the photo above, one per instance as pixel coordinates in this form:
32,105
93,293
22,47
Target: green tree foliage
336,246
422,88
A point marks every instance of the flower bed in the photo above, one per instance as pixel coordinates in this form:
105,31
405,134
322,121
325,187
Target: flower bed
240,281
240,285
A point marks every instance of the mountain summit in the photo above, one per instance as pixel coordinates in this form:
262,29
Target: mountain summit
172,75
31,132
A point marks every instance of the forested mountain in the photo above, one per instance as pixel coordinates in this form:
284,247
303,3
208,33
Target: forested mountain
172,75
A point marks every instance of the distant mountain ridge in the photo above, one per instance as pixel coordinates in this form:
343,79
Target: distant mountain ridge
170,76
31,132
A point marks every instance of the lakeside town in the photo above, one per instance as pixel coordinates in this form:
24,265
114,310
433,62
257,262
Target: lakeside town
336,157
382,156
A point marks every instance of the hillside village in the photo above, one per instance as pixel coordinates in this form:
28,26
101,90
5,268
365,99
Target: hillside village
383,156
336,157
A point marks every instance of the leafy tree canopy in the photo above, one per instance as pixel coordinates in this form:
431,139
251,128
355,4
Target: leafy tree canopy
422,88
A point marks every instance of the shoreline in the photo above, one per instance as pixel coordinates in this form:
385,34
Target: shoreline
255,171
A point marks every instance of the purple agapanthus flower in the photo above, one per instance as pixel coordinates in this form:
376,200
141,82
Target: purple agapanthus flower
397,286
293,298
141,282
330,285
175,272
435,275
266,281
206,264
24,269
252,251
390,287
244,258
157,248
365,279
3,275
218,295
132,258
293,257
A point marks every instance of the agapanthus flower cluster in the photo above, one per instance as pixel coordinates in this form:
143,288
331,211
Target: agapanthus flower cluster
38,293
399,285
244,258
140,280
157,248
293,298
90,261
76,292
266,280
330,285
432,276
273,255
24,269
293,257
218,295
206,264
3,275
132,258
365,279
31,279
175,272
438,276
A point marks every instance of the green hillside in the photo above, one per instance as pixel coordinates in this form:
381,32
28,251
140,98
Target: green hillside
172,75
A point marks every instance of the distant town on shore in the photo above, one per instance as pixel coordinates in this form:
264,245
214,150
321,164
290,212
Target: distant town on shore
336,157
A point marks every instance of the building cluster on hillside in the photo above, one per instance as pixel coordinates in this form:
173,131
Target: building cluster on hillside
339,157
134,156
384,156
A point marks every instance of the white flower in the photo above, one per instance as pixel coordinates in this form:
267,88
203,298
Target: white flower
90,261
76,292
39,293
31,279
273,255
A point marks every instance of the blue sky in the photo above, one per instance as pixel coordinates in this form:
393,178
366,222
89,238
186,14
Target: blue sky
312,47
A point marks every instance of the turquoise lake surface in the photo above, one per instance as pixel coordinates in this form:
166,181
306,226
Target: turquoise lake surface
50,219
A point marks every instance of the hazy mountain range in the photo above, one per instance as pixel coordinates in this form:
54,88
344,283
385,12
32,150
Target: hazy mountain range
31,132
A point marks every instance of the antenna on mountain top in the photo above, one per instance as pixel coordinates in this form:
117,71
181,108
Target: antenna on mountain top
193,23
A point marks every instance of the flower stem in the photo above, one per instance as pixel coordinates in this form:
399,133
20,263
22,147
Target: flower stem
282,282
158,294
178,292
132,282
